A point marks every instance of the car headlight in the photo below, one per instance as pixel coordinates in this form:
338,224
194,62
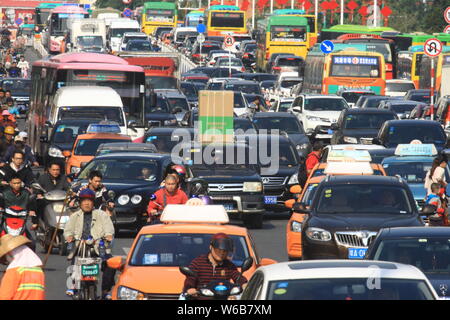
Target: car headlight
252,187
296,226
136,199
124,293
74,169
350,140
293,179
123,199
302,146
55,152
318,234
170,122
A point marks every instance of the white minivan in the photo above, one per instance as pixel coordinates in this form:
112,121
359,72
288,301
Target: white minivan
117,29
88,102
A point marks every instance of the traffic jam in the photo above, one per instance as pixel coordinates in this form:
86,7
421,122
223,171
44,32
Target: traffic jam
231,155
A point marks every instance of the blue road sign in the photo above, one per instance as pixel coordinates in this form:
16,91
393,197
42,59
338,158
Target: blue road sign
327,46
127,12
19,21
201,28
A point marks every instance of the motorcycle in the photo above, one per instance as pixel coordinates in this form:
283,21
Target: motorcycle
218,289
14,220
54,217
87,255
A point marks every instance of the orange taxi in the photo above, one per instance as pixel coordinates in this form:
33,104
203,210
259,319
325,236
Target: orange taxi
85,145
151,269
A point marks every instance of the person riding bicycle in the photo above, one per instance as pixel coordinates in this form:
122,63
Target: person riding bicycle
169,194
90,222
214,265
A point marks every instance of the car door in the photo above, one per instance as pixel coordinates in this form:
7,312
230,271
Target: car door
254,287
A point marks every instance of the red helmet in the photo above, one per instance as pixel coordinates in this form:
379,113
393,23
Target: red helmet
181,171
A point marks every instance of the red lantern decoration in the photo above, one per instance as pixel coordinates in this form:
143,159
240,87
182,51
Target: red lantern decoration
332,5
325,5
307,5
352,5
281,2
244,5
386,11
363,11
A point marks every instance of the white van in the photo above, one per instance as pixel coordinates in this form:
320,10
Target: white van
88,102
179,35
117,29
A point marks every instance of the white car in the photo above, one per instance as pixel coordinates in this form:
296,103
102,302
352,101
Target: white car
236,64
318,112
127,36
215,56
339,280
398,88
281,104
284,85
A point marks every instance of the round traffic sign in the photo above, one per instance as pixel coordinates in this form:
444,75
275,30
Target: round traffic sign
126,1
432,47
19,21
447,15
201,38
447,29
228,41
327,46
127,12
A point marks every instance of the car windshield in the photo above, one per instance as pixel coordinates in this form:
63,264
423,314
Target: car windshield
405,134
348,289
162,106
242,124
17,87
286,124
352,97
284,105
163,143
226,62
430,255
324,104
366,120
139,46
88,147
178,103
118,33
399,87
309,194
90,41
284,153
146,171
162,82
425,98
238,101
67,133
412,172
289,83
245,88
363,199
288,62
92,113
179,249
189,90
402,108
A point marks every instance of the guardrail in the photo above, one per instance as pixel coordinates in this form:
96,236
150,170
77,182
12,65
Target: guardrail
185,63
39,47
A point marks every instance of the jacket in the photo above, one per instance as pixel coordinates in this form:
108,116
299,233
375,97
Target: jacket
23,283
101,226
50,184
25,173
29,155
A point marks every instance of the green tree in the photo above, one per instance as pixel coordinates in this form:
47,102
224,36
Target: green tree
433,20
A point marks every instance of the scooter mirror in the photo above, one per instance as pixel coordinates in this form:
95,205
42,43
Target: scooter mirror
187,272
37,186
247,264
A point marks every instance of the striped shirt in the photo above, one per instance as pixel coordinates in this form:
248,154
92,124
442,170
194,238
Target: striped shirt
206,273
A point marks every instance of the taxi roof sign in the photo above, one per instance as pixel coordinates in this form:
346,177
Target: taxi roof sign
176,213
427,150
345,168
349,156
111,127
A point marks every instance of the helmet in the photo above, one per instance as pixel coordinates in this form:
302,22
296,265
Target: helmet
87,194
222,241
180,170
9,130
6,113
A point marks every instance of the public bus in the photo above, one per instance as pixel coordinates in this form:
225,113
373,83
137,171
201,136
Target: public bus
193,18
312,22
408,64
404,41
41,14
223,19
375,43
352,67
281,34
83,69
58,27
159,14
442,76
335,31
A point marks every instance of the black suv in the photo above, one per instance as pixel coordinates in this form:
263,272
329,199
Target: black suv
234,184
348,211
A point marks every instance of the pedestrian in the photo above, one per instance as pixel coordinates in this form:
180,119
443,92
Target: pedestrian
437,199
24,278
437,173
314,157
14,71
24,66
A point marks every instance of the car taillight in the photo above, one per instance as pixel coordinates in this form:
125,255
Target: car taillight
195,55
388,67
276,68
245,56
243,69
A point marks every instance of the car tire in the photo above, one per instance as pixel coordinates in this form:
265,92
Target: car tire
254,221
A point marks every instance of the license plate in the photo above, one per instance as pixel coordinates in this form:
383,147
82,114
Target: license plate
356,253
228,206
90,270
270,200
330,131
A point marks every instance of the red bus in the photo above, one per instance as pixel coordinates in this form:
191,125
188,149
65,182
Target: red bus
84,69
375,43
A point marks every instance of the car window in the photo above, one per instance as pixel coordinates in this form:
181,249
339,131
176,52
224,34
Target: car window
146,171
401,87
405,134
401,108
88,147
366,121
324,104
67,133
412,172
286,124
179,249
352,97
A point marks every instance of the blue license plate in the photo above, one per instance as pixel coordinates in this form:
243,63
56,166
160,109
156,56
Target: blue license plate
356,253
330,131
270,200
228,206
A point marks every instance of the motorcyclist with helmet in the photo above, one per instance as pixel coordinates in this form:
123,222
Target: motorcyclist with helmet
90,222
214,265
7,141
180,172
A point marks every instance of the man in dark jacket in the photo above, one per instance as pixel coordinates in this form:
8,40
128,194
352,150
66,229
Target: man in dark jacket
53,179
17,168
19,144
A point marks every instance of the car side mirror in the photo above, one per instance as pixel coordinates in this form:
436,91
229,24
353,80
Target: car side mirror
289,203
310,132
297,109
184,123
67,153
115,262
300,207
334,126
376,140
247,264
428,209
49,124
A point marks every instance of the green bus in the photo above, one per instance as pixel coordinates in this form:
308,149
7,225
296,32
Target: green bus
338,30
158,14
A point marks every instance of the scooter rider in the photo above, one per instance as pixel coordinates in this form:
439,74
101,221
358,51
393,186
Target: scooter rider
86,222
214,265
19,168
